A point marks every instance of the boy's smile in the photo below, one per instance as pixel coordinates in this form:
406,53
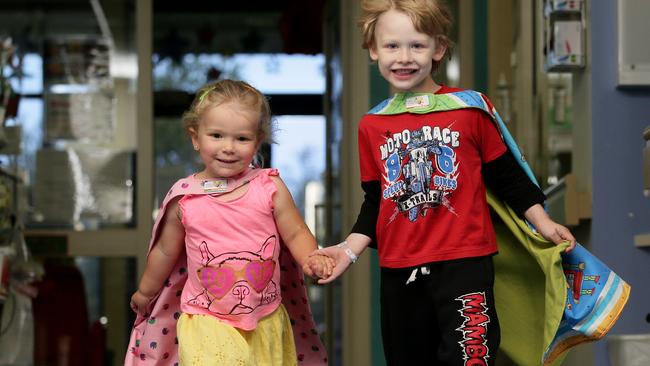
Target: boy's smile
404,55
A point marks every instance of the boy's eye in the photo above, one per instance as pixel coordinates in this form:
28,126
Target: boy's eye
216,135
243,138
418,45
391,45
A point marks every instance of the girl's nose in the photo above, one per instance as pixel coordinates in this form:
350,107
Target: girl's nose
228,146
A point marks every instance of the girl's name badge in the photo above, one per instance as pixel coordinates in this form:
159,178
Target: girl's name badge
215,186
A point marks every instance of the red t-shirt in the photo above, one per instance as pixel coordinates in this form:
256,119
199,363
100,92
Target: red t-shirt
433,205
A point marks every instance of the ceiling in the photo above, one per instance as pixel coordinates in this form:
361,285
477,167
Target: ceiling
194,26
167,6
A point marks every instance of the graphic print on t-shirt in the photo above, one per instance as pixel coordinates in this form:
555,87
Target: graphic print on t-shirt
241,279
420,168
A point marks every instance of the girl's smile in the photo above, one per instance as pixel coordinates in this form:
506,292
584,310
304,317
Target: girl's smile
226,139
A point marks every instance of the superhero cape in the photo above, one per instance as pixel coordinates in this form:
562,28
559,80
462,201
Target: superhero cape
573,298
153,337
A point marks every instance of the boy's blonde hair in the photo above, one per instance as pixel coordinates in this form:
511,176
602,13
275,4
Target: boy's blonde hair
431,17
224,91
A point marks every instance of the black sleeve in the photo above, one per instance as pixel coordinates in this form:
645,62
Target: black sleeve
505,178
367,220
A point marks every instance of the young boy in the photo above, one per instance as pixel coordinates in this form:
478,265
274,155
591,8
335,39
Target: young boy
425,176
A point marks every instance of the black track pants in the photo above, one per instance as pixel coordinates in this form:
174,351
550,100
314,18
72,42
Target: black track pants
440,313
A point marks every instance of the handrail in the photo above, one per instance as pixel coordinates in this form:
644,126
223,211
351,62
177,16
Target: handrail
552,190
11,176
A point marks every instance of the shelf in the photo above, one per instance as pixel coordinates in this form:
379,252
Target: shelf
642,240
560,143
103,242
11,176
566,204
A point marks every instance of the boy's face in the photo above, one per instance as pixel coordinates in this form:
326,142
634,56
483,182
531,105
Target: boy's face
404,55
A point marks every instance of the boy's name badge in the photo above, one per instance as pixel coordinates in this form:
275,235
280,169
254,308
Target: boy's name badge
417,101
215,186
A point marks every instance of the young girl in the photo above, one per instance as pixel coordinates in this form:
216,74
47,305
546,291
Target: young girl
231,222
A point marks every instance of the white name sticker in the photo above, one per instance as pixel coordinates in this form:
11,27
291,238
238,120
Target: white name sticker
418,101
215,186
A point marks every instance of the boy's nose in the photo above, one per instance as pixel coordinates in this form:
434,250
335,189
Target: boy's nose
405,55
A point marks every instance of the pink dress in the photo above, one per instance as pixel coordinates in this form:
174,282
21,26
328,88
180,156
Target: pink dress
232,255
153,338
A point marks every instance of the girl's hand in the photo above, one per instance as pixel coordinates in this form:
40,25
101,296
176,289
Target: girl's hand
318,266
341,258
140,303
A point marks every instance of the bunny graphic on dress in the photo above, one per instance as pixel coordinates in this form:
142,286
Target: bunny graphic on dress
243,280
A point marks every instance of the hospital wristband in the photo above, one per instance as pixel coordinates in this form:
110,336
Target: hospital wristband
353,257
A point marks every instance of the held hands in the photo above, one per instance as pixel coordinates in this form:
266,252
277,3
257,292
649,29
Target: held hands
318,265
339,253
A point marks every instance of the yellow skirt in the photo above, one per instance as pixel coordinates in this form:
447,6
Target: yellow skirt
204,340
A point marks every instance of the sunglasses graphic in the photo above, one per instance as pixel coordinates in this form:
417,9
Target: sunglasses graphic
220,280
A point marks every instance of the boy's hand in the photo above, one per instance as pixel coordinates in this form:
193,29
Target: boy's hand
558,234
318,266
548,228
341,259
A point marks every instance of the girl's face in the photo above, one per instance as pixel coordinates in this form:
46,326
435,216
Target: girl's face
404,55
226,139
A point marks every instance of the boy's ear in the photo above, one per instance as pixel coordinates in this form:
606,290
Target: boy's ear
440,52
372,51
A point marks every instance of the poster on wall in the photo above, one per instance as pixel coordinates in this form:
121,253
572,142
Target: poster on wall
76,60
79,100
92,177
83,117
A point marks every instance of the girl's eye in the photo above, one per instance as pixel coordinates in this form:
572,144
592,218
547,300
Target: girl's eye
418,46
243,138
216,135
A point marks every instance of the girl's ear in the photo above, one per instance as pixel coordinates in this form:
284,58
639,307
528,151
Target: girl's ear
258,159
261,136
195,138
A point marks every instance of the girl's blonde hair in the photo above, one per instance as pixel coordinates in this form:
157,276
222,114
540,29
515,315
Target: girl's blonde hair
431,17
225,91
